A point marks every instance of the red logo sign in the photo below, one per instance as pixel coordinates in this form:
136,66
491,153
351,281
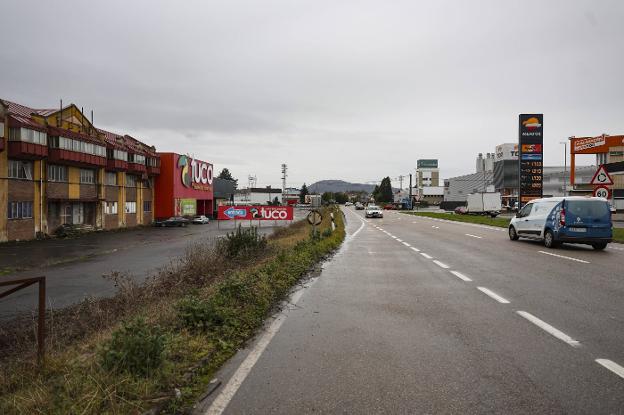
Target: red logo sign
255,213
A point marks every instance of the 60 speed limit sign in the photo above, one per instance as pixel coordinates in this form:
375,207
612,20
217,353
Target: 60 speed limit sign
602,191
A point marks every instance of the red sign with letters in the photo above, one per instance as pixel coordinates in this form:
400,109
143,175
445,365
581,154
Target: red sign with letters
255,213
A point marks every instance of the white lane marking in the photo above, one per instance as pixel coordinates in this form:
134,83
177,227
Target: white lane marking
415,249
549,329
393,237
406,244
564,257
414,222
399,240
223,399
617,249
426,256
440,264
474,225
612,366
493,295
474,236
435,227
461,276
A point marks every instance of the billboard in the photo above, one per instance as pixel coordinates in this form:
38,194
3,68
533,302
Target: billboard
427,164
255,213
530,160
506,151
185,207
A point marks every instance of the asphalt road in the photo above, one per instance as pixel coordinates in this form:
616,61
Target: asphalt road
74,268
419,316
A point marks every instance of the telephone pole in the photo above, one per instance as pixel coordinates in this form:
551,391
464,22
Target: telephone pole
284,175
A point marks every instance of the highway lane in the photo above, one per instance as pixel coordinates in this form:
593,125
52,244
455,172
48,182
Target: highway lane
393,326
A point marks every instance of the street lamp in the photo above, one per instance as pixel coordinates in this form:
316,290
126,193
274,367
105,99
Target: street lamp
565,166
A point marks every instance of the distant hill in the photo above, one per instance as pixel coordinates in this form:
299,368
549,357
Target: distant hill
339,186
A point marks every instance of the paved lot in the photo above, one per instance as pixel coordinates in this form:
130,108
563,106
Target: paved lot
416,315
74,267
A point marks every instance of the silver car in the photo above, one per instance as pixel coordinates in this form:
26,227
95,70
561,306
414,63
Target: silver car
201,220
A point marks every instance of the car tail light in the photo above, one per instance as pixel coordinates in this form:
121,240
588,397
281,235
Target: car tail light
562,219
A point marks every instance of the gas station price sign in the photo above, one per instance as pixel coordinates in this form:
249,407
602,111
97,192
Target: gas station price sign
530,157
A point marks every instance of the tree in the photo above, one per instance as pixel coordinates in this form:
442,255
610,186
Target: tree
226,175
341,197
384,193
375,192
327,197
275,202
303,193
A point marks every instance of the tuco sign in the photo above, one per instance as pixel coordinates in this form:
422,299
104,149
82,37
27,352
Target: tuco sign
195,174
255,213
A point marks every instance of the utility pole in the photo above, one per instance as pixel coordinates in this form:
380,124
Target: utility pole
401,182
284,175
565,167
410,193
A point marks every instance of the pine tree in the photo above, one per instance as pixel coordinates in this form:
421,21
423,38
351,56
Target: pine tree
303,193
226,175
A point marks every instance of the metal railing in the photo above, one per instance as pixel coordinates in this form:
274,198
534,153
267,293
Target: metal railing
21,284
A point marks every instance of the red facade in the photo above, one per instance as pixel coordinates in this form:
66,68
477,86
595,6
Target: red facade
59,155
24,150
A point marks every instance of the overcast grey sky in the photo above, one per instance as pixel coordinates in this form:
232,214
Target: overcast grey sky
352,90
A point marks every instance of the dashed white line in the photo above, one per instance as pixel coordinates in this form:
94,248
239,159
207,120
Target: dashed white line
564,257
474,236
461,276
406,244
612,366
393,237
399,240
549,329
435,227
617,249
493,295
415,249
440,264
426,256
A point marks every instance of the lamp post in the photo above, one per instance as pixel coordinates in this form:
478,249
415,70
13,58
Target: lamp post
565,166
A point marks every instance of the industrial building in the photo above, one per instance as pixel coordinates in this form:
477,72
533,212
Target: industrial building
427,187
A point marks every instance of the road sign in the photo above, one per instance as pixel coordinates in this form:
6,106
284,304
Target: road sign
602,191
602,177
315,218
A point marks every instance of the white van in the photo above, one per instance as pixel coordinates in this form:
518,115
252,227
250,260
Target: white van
574,219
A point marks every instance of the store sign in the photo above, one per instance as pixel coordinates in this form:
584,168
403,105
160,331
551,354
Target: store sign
587,143
186,207
195,174
507,151
255,213
530,163
427,164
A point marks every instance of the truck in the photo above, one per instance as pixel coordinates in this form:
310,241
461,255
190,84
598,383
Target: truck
484,203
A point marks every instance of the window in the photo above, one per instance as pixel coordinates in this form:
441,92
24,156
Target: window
526,210
111,178
28,135
20,210
57,173
130,207
20,169
1,129
120,155
87,176
110,208
147,206
78,146
130,180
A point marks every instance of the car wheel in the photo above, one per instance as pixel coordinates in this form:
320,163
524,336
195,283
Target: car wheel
513,235
599,246
549,239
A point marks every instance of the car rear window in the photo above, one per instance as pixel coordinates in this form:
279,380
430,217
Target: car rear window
585,208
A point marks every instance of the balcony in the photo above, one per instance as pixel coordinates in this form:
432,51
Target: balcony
62,156
153,170
116,165
25,150
1,144
137,168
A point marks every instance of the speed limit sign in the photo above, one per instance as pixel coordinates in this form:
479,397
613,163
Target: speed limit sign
602,191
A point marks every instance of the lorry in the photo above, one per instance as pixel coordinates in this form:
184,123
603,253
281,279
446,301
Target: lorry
484,203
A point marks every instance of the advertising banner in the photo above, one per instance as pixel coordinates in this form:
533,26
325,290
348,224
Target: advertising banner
427,164
186,207
507,151
255,213
530,161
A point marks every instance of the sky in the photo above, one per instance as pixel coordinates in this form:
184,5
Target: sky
354,89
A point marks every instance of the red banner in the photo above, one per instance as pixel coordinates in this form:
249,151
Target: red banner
255,213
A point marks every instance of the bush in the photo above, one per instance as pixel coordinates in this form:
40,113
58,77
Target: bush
242,242
136,348
197,314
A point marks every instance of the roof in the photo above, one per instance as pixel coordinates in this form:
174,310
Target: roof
22,115
61,132
561,198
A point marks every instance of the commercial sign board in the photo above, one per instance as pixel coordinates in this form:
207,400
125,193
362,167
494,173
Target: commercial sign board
195,174
594,145
427,164
530,163
506,151
255,213
186,207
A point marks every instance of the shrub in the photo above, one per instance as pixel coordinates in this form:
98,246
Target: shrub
242,242
198,314
136,348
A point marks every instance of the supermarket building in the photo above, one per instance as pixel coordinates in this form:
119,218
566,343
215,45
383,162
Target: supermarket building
57,168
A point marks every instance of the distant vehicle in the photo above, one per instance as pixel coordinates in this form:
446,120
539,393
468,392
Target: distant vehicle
348,204
172,221
485,203
373,211
390,207
461,210
359,206
201,220
575,219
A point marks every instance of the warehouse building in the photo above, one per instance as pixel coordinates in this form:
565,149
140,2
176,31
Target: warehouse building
57,168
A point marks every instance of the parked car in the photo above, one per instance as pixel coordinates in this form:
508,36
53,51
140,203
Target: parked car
172,221
389,207
373,211
201,220
461,210
348,204
359,206
576,219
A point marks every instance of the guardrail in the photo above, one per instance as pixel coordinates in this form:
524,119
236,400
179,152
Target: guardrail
21,284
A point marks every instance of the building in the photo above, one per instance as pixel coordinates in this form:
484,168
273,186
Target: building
257,195
458,188
184,187
427,173
223,192
290,196
506,172
485,164
57,168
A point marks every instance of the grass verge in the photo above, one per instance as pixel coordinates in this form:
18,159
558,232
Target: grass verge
158,345
618,233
